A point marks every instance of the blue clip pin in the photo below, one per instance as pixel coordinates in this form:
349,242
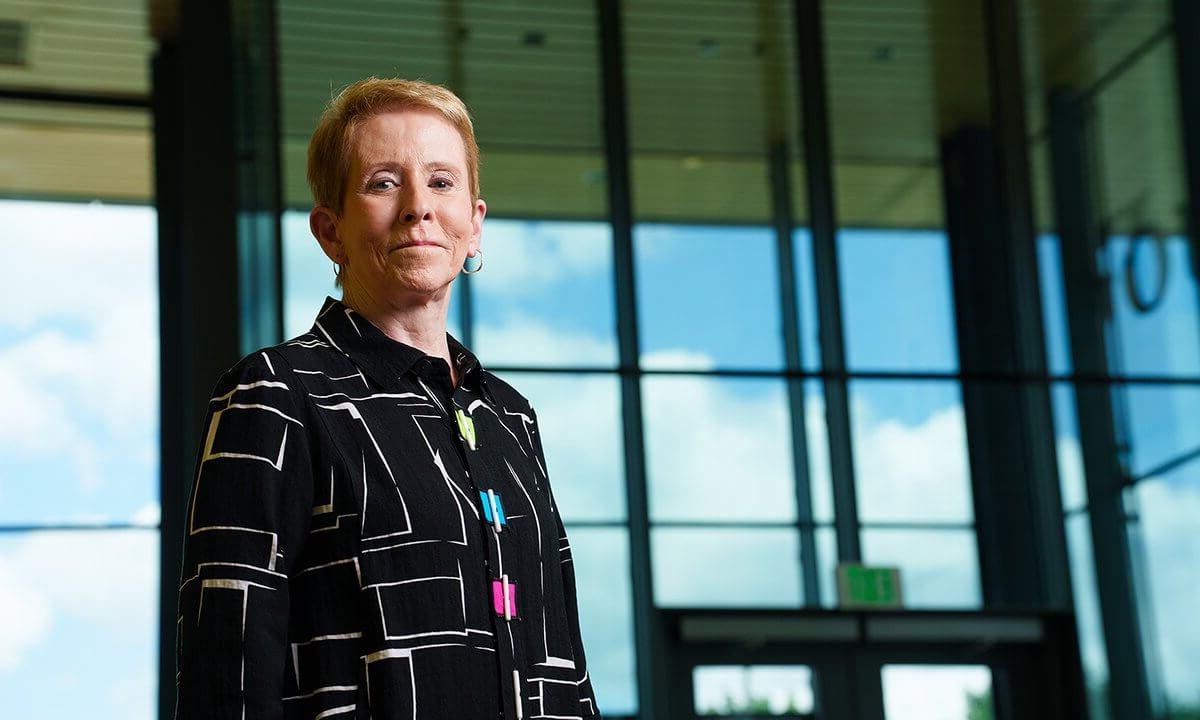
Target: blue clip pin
493,509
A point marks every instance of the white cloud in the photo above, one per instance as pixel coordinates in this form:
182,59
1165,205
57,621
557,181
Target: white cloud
148,515
75,260
525,257
1171,547
911,472
105,579
717,448
521,340
24,616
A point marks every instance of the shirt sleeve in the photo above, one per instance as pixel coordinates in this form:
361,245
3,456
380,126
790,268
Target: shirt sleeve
587,695
247,517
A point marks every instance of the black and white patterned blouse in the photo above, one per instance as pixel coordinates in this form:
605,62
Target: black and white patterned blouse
366,541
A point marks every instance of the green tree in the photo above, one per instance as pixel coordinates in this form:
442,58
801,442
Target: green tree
979,707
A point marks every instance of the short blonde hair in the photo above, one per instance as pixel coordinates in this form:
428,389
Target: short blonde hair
330,149
332,143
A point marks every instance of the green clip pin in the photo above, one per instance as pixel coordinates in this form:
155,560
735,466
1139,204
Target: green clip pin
466,426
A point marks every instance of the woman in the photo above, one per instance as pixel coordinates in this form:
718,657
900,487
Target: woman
371,531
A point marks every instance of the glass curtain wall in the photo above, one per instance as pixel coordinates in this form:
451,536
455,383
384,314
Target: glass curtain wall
1117,61
79,355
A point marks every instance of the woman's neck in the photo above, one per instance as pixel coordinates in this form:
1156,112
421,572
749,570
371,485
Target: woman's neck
419,324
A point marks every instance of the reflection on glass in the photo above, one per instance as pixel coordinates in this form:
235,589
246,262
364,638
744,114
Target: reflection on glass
1054,305
308,278
1156,322
1167,512
1162,422
707,297
545,294
726,567
827,561
718,449
579,417
938,568
937,692
806,296
79,353
1072,482
910,451
897,300
601,560
79,631
816,431
1087,615
753,690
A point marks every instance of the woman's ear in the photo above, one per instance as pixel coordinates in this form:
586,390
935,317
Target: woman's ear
322,222
477,223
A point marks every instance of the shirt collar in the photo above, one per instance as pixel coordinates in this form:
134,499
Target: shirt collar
385,359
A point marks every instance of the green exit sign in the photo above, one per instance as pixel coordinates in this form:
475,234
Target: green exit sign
861,586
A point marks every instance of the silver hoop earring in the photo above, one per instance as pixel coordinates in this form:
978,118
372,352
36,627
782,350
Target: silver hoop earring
469,267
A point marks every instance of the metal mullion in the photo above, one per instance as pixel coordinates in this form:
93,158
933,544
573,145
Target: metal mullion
816,140
649,638
788,299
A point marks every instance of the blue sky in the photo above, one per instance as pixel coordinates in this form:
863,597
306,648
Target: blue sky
80,441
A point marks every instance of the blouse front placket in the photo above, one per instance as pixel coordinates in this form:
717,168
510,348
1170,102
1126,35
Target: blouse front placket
502,585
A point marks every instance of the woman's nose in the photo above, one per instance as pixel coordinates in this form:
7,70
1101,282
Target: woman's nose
416,206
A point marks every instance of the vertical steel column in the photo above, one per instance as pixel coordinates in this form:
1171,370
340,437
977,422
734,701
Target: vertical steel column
781,194
654,698
821,207
1010,430
1086,302
216,150
1186,17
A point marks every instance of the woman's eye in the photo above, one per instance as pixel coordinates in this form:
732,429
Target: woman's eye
384,184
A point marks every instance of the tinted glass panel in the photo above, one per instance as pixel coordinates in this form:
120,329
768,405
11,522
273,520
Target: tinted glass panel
910,451
897,300
718,449
601,559
79,364
726,567
79,624
937,692
938,568
545,294
707,297
738,690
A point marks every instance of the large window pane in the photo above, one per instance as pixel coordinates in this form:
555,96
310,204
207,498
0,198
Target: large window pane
1166,521
938,568
726,567
79,364
601,559
545,294
1088,622
910,451
718,449
79,624
937,692
897,300
739,690
707,297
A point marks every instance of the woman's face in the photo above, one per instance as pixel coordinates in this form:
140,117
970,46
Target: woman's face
407,220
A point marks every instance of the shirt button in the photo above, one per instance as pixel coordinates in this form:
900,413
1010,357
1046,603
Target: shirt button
423,366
